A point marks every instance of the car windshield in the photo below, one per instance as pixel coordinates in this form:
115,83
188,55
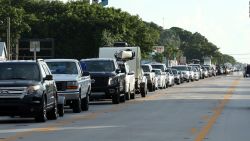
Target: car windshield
145,68
158,67
174,71
181,68
62,67
100,66
19,71
157,72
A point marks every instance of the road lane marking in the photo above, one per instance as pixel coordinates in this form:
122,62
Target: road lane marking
55,129
217,112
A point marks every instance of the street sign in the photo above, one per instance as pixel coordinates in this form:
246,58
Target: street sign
34,46
159,49
104,2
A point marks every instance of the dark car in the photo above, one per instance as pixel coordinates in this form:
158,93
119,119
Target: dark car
247,71
27,89
107,79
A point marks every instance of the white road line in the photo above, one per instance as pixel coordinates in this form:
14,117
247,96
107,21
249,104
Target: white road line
54,129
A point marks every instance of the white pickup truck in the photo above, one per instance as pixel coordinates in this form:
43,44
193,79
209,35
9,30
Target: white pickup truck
71,82
129,80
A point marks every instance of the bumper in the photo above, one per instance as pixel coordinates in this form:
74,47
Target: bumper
103,91
69,95
26,107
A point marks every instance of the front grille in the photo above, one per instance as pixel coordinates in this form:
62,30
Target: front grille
61,85
12,92
100,81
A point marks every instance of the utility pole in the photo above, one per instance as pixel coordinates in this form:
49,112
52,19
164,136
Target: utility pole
8,38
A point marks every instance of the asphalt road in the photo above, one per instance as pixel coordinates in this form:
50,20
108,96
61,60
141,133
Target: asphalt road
214,109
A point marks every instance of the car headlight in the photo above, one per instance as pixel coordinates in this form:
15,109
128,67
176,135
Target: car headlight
33,89
72,85
111,81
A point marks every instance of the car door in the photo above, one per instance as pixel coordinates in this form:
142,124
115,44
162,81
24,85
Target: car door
49,85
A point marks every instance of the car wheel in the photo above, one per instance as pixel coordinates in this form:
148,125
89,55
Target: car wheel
42,113
127,94
60,108
85,103
144,92
116,97
123,98
53,113
77,105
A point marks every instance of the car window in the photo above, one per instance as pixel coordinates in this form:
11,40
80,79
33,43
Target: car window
63,67
19,71
100,66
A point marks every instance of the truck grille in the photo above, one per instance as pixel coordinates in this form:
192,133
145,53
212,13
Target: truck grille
100,81
61,85
12,92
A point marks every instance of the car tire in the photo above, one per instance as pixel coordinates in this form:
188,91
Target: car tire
132,95
77,106
85,103
127,94
53,113
42,113
116,97
60,108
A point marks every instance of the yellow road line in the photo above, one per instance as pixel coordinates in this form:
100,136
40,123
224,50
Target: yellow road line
217,112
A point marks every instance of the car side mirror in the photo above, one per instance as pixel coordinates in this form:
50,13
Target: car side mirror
48,77
118,71
85,73
131,73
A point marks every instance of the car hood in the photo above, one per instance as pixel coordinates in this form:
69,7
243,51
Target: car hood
102,74
18,83
65,77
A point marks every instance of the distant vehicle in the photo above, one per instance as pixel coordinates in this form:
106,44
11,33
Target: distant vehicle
171,77
177,76
191,72
150,76
198,66
247,71
196,74
27,89
205,72
163,69
209,69
107,80
71,82
183,69
160,76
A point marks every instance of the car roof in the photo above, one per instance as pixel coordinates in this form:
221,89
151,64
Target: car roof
18,61
60,60
94,59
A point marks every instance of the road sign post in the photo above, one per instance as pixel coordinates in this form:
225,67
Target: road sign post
34,47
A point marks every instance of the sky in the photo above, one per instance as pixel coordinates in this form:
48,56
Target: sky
225,23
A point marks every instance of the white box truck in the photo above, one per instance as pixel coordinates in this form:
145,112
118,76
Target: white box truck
3,52
134,64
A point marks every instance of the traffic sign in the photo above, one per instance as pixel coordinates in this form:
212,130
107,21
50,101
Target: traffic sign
34,46
104,2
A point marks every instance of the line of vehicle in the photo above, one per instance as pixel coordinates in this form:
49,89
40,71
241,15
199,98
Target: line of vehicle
216,113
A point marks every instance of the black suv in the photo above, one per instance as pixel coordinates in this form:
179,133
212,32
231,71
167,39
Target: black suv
27,89
107,79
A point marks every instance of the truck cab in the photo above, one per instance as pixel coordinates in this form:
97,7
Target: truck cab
151,78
